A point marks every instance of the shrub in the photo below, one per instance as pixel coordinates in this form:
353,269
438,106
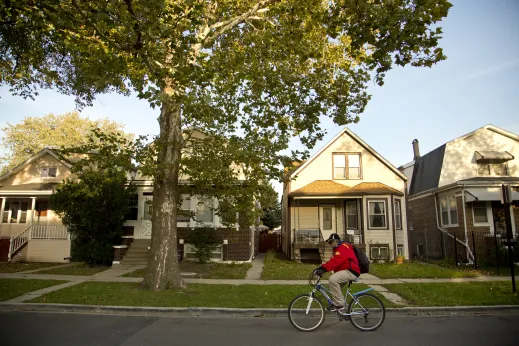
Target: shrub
205,240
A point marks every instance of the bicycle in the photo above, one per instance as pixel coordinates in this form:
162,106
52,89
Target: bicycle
364,308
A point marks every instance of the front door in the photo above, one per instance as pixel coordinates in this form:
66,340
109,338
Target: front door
147,212
327,219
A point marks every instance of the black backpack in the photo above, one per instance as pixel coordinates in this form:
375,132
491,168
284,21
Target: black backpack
362,259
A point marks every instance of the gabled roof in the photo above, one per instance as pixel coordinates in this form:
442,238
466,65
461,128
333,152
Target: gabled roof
360,142
33,158
331,188
427,168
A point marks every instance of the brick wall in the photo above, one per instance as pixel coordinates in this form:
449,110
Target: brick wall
424,233
238,247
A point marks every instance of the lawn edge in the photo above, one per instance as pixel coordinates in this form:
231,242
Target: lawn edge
252,312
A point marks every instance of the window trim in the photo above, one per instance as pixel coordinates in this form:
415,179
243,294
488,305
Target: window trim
378,246
478,224
398,248
450,224
399,216
48,168
385,200
346,166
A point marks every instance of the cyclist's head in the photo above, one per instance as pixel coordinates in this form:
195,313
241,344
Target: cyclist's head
333,239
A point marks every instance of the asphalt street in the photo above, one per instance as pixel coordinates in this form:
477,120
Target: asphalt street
69,329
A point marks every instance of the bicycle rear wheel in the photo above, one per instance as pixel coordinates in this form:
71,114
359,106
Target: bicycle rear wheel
367,312
306,313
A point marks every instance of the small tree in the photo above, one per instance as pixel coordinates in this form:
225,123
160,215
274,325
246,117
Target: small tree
94,204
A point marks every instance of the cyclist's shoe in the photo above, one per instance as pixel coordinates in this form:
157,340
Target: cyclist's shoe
343,314
332,307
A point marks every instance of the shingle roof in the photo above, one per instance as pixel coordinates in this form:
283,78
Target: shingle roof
331,188
29,187
427,170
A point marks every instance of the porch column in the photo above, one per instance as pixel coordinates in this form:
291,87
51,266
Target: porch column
33,206
2,210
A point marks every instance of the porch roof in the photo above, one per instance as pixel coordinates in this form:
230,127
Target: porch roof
22,189
331,188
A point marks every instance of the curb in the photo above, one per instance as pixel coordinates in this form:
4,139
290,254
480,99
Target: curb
235,312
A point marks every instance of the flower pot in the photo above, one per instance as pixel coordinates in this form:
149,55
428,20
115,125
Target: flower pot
399,260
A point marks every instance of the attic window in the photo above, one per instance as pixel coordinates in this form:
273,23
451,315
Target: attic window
47,172
346,166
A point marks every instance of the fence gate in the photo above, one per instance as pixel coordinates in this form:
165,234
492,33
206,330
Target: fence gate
269,242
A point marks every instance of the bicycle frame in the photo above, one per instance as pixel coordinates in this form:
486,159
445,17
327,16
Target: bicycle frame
318,287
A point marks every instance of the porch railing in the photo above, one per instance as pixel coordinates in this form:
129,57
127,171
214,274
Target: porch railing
307,236
17,242
48,232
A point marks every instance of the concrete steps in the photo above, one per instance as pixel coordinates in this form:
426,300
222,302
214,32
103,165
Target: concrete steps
137,253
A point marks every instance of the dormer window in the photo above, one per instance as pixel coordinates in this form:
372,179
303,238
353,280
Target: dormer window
48,172
346,166
493,163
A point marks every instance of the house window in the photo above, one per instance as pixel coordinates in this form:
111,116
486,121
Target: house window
377,214
400,250
398,214
148,209
184,214
479,210
449,210
346,166
204,212
48,172
379,252
133,208
190,249
41,209
492,169
327,219
351,215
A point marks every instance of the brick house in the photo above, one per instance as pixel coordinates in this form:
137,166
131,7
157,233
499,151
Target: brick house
454,190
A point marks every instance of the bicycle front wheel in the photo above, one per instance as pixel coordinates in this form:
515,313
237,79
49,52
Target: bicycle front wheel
367,312
306,313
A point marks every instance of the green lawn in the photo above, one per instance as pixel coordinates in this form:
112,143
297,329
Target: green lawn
207,270
456,294
276,268
417,270
196,295
10,288
6,267
82,269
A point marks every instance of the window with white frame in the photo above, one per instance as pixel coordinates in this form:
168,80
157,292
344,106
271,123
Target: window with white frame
346,166
400,250
479,211
379,251
377,214
47,172
398,214
184,214
204,210
449,210
190,250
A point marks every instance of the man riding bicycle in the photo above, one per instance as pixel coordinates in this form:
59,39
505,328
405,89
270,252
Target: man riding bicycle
345,266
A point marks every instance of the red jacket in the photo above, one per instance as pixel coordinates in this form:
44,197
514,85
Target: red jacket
343,258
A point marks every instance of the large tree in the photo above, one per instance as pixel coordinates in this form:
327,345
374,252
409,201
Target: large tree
21,141
254,72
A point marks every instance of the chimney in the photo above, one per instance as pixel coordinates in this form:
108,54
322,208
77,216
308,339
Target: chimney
416,150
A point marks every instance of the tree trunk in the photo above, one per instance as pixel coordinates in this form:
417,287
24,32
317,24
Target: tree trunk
163,266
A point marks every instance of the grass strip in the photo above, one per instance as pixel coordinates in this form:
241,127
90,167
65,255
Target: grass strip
206,270
82,270
11,288
7,267
195,295
417,270
456,294
275,268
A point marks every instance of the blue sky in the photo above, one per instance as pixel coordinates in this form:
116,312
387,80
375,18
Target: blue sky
477,85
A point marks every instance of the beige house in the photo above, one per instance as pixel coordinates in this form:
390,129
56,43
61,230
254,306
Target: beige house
29,230
349,189
455,190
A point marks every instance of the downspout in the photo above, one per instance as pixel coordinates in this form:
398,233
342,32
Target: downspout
435,196
465,225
